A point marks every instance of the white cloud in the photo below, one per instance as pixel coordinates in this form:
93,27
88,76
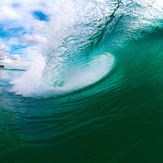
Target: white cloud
2,52
2,55
20,16
13,61
2,16
10,42
2,47
10,60
15,57
34,39
10,13
39,26
13,41
23,44
30,52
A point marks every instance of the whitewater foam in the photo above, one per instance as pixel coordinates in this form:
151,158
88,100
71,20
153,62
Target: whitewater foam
31,84
27,85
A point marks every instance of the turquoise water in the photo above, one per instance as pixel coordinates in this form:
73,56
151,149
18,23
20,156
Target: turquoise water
112,114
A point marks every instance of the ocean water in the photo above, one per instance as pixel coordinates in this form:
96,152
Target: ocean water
95,95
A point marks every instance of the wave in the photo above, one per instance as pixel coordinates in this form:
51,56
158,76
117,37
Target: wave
83,37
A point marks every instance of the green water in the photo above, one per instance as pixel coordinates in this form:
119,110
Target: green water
118,119
114,117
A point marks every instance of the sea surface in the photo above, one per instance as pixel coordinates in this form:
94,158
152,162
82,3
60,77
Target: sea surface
95,95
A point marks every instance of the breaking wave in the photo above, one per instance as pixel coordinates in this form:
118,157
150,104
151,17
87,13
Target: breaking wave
83,39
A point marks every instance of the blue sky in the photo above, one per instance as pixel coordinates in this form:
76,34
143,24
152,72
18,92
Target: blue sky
23,27
25,24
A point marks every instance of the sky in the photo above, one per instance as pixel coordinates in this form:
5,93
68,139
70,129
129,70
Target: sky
23,26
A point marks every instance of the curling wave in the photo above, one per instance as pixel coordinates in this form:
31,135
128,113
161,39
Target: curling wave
82,40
